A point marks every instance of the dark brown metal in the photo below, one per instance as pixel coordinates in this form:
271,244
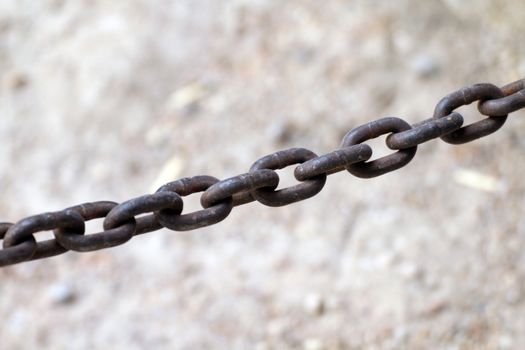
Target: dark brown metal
385,164
424,132
4,226
238,188
332,162
466,96
169,201
78,241
19,253
134,217
19,240
198,219
16,254
285,196
514,100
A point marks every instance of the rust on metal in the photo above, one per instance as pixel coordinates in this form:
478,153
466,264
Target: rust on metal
466,96
514,100
384,164
174,220
163,209
280,160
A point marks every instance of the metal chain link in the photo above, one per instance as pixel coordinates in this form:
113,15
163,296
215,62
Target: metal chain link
163,209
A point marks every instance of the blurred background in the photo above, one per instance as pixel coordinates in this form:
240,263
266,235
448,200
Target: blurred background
106,100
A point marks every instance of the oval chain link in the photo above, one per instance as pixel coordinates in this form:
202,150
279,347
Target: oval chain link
164,208
384,164
150,203
78,241
466,96
424,132
514,100
296,193
332,162
201,218
19,240
238,188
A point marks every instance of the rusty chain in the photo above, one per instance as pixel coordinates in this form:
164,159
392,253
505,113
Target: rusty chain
164,208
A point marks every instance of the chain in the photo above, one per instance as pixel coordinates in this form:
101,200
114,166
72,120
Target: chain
163,209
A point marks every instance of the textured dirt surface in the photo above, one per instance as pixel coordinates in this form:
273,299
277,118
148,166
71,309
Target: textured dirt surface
108,100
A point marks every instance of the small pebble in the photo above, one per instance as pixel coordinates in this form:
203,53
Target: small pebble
282,133
314,304
170,170
312,344
62,293
15,80
187,98
435,308
409,271
424,66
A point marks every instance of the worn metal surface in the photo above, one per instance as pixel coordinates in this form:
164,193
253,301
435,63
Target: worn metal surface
164,208
279,160
385,164
173,219
465,96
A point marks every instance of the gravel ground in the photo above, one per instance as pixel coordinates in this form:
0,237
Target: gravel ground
108,100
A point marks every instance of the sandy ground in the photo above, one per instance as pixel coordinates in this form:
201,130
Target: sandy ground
108,100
